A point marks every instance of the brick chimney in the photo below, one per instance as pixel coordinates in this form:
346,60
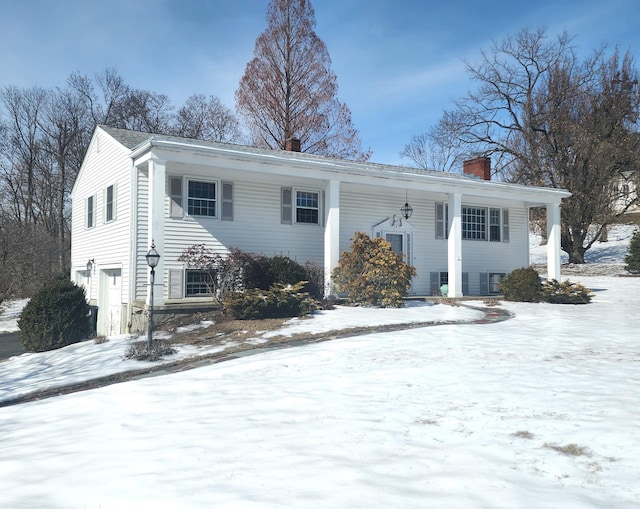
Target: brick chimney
479,167
292,144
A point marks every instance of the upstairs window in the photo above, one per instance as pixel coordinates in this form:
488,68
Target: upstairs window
201,200
474,223
109,204
307,207
91,212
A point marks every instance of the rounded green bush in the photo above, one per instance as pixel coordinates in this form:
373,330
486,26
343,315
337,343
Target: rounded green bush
56,316
522,285
286,271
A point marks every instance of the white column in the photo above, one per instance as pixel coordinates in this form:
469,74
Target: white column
155,227
331,231
553,241
455,246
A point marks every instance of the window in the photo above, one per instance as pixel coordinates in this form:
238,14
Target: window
505,225
494,225
227,201
199,283
91,212
494,281
201,199
442,220
307,207
474,223
175,193
109,204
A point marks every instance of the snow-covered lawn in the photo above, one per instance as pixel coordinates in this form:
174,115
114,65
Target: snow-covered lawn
540,411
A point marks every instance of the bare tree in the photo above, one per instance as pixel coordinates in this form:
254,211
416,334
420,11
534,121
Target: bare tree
205,118
289,91
552,119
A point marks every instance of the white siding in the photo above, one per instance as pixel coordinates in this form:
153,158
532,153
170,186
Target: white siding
106,163
256,225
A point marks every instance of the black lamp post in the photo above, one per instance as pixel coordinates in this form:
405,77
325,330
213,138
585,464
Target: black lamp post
152,261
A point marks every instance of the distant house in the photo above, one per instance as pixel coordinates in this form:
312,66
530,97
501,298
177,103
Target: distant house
137,188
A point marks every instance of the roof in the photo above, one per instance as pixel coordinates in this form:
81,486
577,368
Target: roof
139,142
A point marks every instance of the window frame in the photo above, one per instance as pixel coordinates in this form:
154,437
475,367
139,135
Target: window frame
189,285
215,199
474,226
495,285
90,212
297,208
110,205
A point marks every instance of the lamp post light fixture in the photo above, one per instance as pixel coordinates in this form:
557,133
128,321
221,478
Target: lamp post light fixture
407,210
153,257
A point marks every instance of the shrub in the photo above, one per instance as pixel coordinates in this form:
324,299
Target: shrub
56,316
632,259
139,351
247,270
522,285
314,275
372,273
286,271
565,293
280,301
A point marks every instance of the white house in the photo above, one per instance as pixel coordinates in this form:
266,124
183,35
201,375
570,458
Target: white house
135,189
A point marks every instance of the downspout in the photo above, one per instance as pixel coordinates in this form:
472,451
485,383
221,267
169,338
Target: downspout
133,232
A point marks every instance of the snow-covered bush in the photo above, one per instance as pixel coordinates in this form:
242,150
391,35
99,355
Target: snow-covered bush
522,285
372,273
56,316
566,292
632,259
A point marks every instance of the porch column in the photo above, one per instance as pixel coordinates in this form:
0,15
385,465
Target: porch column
553,241
331,232
454,246
155,227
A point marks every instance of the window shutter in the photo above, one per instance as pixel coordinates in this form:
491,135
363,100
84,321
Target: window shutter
434,280
175,192
505,225
176,289
484,284
465,283
227,201
286,205
439,221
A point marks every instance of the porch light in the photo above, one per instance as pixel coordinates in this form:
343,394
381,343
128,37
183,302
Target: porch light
90,264
407,210
153,257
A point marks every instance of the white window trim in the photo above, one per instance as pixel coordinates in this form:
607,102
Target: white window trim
87,225
503,227
113,204
185,196
294,205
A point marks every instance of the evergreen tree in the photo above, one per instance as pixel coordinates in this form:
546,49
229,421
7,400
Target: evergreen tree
633,257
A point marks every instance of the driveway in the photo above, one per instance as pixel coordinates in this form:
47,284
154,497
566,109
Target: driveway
10,345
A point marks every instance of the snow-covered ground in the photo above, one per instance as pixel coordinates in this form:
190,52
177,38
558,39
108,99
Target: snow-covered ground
539,411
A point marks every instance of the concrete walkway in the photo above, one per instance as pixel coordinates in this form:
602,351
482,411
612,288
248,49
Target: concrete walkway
490,315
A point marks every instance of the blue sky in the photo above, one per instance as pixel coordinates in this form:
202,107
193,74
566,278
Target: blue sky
399,63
